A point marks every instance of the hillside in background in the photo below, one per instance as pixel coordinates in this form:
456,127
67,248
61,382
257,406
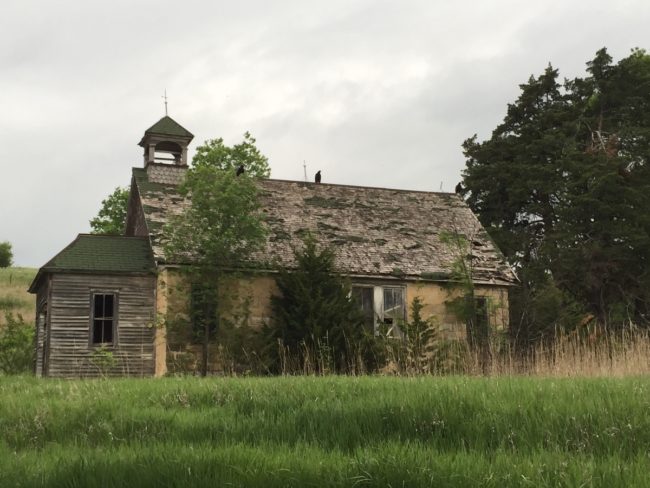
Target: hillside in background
13,293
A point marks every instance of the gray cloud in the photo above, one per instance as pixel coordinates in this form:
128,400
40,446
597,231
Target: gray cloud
373,93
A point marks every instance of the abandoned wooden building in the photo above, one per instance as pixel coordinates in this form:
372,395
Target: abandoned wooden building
115,293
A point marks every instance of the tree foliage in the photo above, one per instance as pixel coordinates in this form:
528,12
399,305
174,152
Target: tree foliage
314,311
6,254
563,186
217,234
16,345
111,218
420,341
216,154
222,227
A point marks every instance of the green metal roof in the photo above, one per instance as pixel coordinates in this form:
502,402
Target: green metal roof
99,254
169,127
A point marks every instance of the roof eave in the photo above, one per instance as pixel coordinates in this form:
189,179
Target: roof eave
33,287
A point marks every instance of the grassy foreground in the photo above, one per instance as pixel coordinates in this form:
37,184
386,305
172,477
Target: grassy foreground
331,431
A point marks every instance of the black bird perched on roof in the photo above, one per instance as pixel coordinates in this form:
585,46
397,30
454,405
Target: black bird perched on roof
240,170
459,188
317,177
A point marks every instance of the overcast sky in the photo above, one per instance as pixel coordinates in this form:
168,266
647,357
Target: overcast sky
372,93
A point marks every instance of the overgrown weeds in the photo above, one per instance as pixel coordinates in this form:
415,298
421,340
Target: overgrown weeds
422,351
16,345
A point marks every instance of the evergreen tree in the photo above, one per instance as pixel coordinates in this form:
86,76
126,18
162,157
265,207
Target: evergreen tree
314,310
563,187
605,220
420,340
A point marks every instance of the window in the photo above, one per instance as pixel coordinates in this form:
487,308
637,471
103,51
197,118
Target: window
103,318
479,327
203,311
364,297
394,310
382,306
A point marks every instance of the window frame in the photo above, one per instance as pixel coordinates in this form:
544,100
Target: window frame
369,327
115,318
378,306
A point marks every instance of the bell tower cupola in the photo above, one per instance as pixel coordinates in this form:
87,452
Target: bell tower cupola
166,142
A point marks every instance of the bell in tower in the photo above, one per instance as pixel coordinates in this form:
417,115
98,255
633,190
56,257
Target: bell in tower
166,142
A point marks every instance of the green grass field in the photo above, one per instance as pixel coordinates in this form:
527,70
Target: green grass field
13,293
328,431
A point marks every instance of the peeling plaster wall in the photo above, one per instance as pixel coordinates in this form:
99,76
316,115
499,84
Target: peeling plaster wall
249,299
434,296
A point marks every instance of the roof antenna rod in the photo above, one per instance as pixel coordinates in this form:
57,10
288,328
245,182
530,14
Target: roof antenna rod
441,186
165,97
304,167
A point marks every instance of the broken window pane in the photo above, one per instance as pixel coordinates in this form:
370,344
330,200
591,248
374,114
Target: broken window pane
394,304
394,310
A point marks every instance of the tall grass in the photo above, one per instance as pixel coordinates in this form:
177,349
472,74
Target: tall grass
14,297
328,431
599,353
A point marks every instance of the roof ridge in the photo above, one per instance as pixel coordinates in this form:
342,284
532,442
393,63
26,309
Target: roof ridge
345,185
120,236
342,185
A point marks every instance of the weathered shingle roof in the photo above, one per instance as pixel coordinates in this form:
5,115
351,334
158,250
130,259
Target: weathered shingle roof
101,254
376,232
168,127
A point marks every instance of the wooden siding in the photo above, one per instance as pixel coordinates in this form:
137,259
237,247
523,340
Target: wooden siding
41,311
69,310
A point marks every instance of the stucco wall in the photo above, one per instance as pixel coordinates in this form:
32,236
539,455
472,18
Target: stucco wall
434,296
243,301
248,302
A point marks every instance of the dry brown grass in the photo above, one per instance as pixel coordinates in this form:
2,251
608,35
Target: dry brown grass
599,354
616,354
13,293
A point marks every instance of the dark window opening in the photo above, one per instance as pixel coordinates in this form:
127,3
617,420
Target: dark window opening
482,316
103,318
480,323
203,309
167,151
364,297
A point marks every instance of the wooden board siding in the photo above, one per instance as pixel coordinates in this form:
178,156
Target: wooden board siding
69,309
41,311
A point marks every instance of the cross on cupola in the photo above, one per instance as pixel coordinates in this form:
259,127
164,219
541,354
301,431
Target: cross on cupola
166,142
